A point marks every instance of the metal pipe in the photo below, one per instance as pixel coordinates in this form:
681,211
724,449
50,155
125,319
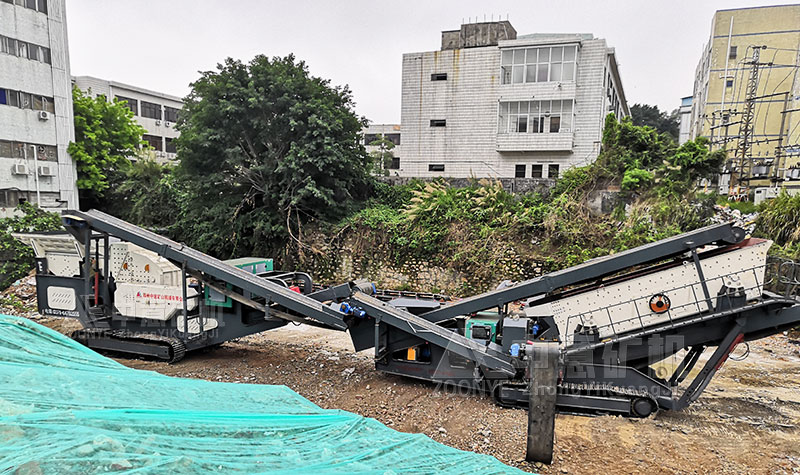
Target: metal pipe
727,59
183,293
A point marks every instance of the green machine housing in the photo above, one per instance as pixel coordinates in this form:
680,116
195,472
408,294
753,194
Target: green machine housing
483,326
254,265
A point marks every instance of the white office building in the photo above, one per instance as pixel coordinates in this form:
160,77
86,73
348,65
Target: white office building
490,103
155,111
377,138
685,111
36,121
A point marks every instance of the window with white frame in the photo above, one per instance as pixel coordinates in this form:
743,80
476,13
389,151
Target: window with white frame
535,117
544,64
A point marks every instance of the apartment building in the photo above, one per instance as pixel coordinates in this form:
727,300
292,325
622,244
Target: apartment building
36,121
685,117
155,111
746,98
491,103
377,138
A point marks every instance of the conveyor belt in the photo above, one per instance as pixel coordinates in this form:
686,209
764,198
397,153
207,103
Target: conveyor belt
440,336
590,270
196,260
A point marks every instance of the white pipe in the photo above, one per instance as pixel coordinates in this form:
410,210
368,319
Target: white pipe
727,60
36,176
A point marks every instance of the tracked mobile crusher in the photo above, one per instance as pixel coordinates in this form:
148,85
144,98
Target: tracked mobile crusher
587,339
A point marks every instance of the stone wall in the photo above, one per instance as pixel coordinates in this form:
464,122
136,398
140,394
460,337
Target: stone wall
512,185
353,258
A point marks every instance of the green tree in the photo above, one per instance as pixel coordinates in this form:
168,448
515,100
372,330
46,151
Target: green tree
106,135
147,194
16,258
661,121
382,156
265,148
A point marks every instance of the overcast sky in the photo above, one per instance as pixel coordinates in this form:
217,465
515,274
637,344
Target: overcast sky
161,45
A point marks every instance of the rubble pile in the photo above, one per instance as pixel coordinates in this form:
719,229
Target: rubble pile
724,214
20,298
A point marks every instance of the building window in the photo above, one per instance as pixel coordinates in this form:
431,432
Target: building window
8,45
170,114
9,149
153,140
519,171
536,171
394,138
555,124
535,117
438,167
369,139
729,83
438,122
169,145
132,104
525,65
439,77
38,5
25,100
151,111
732,52
552,170
395,164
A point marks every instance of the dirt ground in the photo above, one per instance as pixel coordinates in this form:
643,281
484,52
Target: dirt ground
745,422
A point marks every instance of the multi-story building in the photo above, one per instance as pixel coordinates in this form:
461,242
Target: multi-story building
377,138
490,103
747,96
685,111
36,122
155,111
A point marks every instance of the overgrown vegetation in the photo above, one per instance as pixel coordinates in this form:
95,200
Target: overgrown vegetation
661,121
16,258
265,149
779,220
479,230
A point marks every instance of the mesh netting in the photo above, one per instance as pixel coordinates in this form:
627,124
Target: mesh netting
67,409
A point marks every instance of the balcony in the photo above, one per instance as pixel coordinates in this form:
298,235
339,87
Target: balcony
544,142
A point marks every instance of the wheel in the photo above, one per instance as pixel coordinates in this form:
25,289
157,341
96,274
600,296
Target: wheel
177,350
643,407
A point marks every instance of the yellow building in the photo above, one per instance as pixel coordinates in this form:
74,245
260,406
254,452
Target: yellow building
747,97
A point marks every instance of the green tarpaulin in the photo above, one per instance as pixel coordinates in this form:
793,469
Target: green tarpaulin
66,409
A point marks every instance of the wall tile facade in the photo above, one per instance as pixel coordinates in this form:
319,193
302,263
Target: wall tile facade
470,143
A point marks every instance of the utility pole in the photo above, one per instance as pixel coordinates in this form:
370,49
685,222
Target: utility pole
744,149
776,178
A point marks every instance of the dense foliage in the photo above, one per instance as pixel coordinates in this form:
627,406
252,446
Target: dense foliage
661,121
779,220
16,258
105,137
148,194
480,229
266,148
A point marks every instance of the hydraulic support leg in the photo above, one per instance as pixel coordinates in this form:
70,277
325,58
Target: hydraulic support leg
543,373
714,363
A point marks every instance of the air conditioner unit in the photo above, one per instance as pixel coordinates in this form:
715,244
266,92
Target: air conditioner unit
20,169
46,170
44,115
167,124
158,122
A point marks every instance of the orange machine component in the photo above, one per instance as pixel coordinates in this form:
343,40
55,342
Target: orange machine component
412,354
659,303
